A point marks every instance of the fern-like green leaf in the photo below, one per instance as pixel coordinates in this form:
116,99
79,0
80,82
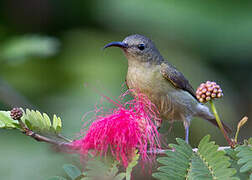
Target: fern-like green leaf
233,159
176,164
216,161
245,157
37,122
206,163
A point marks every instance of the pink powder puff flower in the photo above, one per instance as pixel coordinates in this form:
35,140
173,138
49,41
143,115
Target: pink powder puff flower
127,127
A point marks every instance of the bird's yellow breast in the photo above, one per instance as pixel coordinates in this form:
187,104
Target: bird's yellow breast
172,103
147,78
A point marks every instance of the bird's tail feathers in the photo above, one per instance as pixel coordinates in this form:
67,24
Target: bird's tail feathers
206,114
226,127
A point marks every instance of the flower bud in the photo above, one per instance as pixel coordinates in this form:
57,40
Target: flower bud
208,91
16,113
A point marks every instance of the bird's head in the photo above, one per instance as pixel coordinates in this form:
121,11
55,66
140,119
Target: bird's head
138,47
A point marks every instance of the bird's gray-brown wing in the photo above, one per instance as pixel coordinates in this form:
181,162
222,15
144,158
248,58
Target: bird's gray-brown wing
176,78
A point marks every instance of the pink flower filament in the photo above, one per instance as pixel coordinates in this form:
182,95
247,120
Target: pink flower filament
120,132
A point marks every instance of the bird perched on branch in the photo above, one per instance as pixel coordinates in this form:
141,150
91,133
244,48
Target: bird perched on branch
166,87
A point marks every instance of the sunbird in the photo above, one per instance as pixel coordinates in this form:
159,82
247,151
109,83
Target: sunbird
165,86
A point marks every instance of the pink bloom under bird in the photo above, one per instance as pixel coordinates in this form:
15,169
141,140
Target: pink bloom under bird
127,127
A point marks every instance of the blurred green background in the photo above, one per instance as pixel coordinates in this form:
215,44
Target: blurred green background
51,59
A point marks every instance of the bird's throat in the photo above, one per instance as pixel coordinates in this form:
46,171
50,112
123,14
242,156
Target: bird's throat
143,76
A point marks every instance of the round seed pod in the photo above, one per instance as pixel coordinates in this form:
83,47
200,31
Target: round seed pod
208,91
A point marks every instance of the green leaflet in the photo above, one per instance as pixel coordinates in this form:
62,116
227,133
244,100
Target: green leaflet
206,163
57,123
72,171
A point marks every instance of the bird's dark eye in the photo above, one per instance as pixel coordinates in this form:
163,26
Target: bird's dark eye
141,47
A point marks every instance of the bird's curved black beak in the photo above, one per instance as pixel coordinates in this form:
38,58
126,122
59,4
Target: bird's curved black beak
116,44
